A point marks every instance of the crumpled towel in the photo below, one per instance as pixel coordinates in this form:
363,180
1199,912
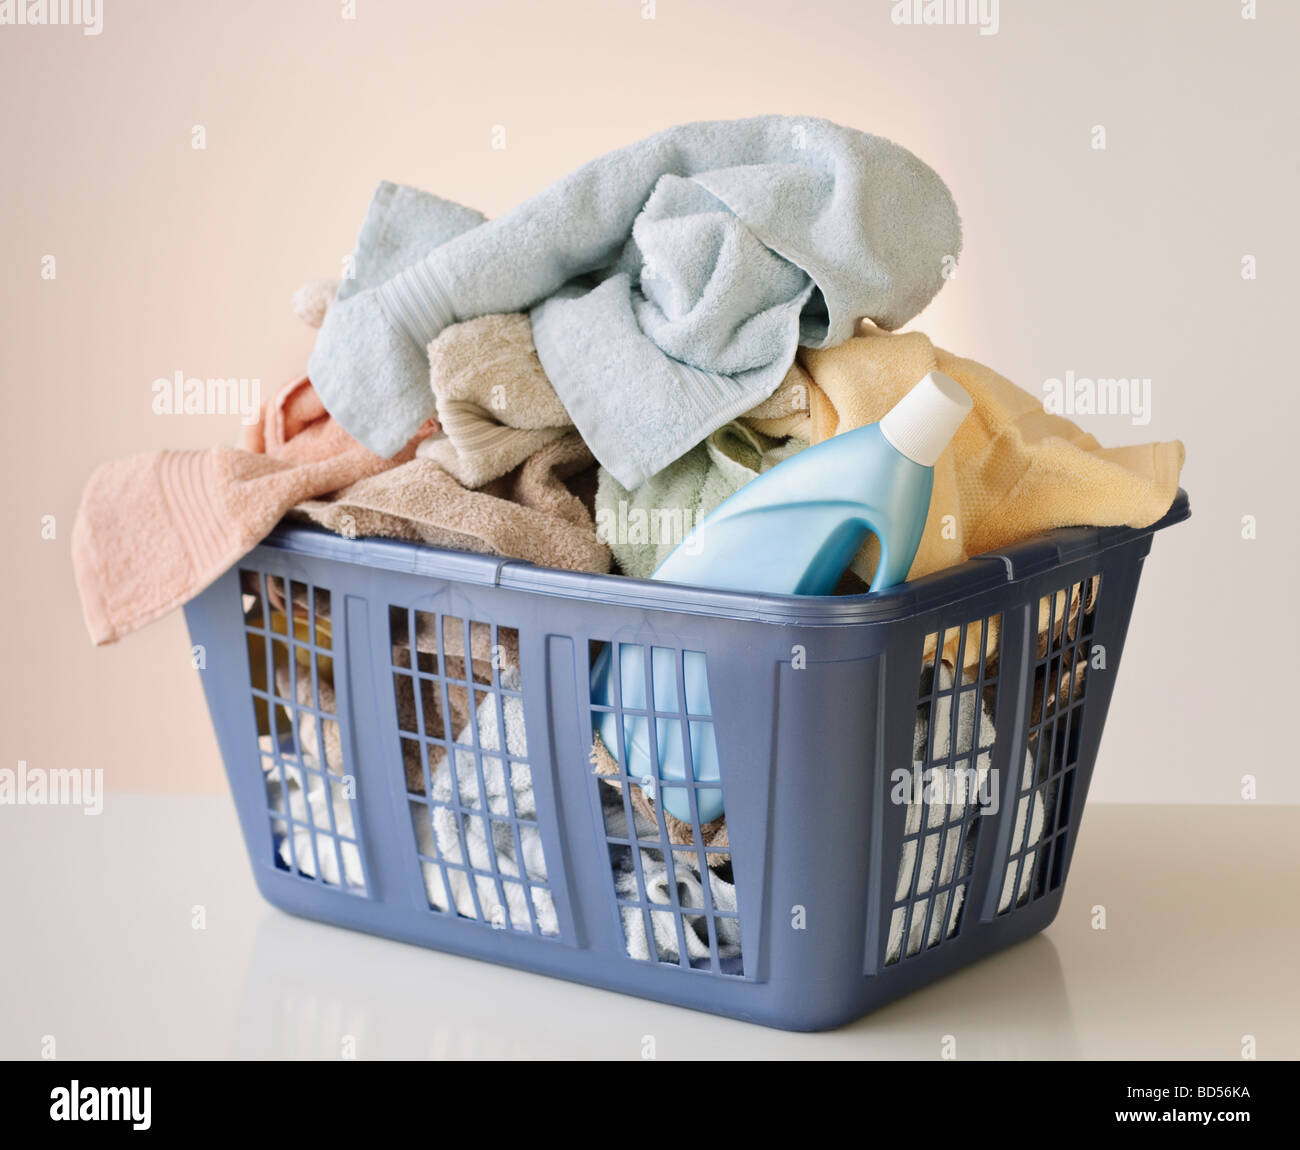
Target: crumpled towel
294,426
322,740
495,405
496,408
462,838
402,225
527,514
154,530
1011,471
671,282
644,526
311,805
690,894
680,832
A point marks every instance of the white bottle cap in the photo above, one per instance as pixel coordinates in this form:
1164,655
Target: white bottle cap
921,424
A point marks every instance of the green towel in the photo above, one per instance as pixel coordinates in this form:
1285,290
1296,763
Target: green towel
643,526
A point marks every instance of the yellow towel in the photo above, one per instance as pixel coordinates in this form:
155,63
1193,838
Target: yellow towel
1012,470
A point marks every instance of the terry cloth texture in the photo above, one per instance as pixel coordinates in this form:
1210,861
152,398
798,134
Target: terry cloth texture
459,837
154,530
528,513
401,227
495,405
661,942
671,282
312,300
1012,471
644,526
319,809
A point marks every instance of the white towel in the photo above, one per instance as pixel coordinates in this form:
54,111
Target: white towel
463,837
310,804
690,896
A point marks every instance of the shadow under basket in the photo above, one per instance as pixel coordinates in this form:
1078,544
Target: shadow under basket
411,737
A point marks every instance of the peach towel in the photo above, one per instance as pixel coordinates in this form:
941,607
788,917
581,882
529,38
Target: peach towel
154,530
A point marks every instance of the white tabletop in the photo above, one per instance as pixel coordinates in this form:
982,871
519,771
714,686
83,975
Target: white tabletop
100,952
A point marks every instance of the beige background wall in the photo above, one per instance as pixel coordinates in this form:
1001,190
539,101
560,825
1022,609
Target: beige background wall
1117,262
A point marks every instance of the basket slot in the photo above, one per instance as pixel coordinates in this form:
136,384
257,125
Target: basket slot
1035,860
463,743
660,800
310,792
950,784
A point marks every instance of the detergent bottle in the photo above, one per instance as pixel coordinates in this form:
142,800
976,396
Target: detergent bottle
794,530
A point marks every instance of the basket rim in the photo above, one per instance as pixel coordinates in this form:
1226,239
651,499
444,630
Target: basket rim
1002,567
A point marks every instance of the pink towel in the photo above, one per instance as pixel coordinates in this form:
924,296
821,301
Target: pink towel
154,530
295,426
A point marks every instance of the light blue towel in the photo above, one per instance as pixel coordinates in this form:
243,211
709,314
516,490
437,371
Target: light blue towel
670,283
401,227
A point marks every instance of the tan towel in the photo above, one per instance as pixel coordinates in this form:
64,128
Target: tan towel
785,413
496,406
494,401
527,514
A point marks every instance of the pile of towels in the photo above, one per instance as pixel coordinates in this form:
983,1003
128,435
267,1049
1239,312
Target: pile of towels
623,350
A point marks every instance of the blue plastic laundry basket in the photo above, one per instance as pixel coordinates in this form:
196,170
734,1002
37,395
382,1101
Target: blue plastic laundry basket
408,734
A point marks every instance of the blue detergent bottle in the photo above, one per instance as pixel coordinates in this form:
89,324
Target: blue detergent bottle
793,530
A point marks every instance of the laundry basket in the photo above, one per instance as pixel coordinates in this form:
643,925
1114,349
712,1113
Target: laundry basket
409,736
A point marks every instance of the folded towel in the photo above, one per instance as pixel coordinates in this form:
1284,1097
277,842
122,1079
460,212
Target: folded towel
154,530
671,282
526,514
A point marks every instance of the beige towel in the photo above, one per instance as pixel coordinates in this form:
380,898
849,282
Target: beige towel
497,407
494,401
526,514
785,413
